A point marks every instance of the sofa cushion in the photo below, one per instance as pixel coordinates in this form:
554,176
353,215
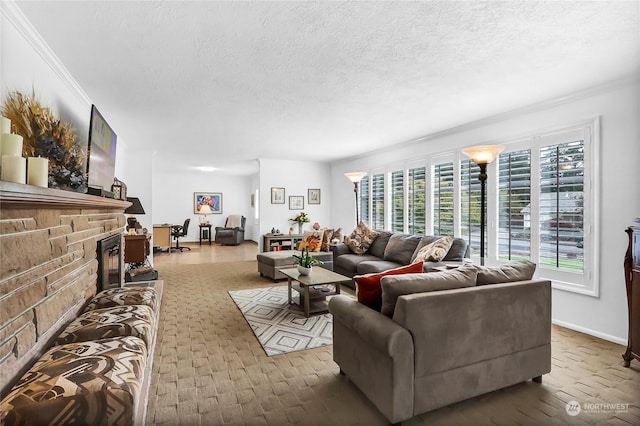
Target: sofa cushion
368,290
379,244
124,296
395,286
521,270
400,248
375,266
88,383
457,250
132,320
350,261
435,251
361,239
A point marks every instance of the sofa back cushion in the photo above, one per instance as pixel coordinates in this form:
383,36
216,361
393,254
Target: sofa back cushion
520,270
379,244
361,239
458,251
400,248
398,285
368,290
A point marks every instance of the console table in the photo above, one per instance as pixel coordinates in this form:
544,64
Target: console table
277,242
632,281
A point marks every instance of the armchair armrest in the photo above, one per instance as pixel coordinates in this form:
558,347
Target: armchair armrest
378,330
219,228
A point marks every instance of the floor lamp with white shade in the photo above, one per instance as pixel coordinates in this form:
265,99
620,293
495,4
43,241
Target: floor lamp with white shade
356,177
483,155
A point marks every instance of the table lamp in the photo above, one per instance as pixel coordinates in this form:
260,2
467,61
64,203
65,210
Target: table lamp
133,209
204,210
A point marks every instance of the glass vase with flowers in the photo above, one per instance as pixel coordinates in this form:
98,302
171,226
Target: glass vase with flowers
300,219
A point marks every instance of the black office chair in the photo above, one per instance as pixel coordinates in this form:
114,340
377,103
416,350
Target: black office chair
178,231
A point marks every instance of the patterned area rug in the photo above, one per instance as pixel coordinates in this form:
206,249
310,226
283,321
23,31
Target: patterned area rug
280,327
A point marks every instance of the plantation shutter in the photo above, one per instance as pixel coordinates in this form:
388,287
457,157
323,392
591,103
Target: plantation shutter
443,203
377,201
416,209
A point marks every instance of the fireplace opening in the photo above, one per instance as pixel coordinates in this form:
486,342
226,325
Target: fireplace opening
109,262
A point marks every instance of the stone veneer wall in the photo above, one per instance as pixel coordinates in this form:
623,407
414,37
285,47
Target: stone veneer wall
48,266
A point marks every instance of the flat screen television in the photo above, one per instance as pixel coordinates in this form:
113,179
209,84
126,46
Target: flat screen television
102,153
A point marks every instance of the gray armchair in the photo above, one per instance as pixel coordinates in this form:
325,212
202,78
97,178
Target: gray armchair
233,231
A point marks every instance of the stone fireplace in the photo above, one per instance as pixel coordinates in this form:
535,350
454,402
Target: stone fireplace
49,266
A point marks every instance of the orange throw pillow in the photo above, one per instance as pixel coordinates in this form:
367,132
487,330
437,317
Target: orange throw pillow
369,290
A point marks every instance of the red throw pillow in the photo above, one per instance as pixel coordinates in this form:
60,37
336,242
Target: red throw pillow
369,290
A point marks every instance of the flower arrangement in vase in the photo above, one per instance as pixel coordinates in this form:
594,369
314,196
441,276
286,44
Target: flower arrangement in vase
304,260
300,219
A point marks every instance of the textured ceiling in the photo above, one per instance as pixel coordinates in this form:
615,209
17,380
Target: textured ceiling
223,83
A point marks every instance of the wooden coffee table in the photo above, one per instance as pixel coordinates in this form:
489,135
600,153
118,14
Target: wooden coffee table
313,289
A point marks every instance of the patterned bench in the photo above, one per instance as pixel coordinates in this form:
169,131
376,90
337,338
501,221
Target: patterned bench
99,369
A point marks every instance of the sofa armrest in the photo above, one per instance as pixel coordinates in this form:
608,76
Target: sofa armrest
376,329
377,354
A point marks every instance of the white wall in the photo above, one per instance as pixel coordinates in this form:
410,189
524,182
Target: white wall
172,198
296,177
618,106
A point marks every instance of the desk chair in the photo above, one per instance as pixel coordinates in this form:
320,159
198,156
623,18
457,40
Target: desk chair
178,231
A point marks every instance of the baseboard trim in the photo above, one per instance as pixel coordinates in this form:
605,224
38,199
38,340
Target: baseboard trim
590,332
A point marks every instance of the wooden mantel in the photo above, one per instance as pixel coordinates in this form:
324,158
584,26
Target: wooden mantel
16,195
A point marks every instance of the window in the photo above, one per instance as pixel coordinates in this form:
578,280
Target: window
377,201
514,205
562,206
364,199
416,200
470,204
443,203
397,201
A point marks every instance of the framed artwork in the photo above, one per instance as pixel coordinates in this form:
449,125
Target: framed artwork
296,202
211,199
277,195
313,196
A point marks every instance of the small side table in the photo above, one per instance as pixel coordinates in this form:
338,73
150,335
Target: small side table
205,232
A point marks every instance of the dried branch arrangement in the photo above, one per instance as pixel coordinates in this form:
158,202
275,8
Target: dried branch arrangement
46,136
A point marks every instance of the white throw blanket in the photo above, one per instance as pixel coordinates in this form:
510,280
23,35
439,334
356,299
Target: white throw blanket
234,221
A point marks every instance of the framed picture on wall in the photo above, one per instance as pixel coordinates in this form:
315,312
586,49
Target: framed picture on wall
296,202
277,195
207,202
313,196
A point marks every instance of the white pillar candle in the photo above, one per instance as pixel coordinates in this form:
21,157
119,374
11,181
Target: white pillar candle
38,171
11,145
5,125
14,169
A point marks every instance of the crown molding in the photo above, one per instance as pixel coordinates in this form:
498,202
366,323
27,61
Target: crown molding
15,17
539,106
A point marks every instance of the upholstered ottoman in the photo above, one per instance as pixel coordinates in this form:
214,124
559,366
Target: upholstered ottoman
88,383
270,263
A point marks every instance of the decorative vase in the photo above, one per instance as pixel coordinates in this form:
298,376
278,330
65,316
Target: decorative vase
300,228
303,270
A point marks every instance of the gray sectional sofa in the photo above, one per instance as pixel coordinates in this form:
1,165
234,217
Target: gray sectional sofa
390,250
442,345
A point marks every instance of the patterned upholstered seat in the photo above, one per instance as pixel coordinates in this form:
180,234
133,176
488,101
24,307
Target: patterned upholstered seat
131,320
80,383
124,296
